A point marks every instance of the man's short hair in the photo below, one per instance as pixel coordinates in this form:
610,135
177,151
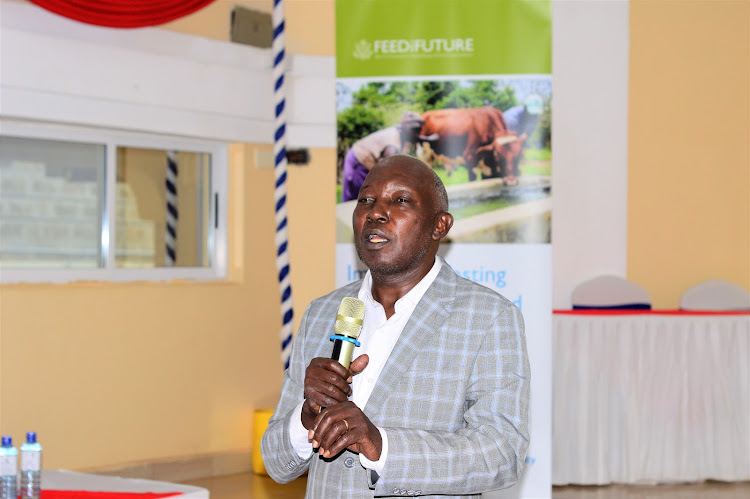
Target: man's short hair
438,189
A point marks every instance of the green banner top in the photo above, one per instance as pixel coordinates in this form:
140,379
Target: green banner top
442,37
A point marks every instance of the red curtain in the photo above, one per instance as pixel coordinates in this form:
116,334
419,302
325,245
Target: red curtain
123,13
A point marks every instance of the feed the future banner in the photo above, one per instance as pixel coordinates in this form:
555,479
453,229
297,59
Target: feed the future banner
466,86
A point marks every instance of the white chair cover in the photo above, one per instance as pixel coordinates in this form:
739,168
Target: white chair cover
715,295
610,291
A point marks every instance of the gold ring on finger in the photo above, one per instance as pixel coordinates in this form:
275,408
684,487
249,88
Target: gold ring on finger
347,425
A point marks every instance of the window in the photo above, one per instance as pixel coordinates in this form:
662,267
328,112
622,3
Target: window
78,204
51,203
163,208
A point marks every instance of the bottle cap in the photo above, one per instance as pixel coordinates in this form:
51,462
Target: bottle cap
7,441
31,437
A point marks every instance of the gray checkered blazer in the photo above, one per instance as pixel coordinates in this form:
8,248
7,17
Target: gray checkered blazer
453,398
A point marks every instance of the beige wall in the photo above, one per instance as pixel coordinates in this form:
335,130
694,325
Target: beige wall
141,371
116,373
309,24
689,146
136,372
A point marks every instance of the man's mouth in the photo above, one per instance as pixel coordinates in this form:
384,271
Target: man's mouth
375,238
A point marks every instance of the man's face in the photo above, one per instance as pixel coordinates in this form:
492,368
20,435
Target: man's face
395,218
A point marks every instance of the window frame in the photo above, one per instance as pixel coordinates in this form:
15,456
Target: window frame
112,139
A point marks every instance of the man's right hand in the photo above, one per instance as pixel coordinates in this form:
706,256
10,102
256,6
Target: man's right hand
327,384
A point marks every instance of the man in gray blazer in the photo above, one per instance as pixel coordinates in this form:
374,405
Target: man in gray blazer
437,401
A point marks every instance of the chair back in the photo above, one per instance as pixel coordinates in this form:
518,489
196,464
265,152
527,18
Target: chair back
610,292
715,295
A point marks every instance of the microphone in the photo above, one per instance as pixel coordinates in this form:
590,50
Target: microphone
348,326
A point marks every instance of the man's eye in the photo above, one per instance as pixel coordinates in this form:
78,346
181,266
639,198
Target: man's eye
364,200
402,200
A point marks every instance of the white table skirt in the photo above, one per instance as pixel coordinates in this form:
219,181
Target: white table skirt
650,398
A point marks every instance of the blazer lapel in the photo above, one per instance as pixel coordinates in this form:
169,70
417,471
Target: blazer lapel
431,313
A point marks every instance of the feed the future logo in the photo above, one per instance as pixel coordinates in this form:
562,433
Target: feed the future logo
419,47
362,50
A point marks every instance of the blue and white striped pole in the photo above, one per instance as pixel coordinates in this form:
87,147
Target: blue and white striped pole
279,153
170,235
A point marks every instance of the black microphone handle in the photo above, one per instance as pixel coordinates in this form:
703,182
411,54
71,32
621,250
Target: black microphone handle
342,352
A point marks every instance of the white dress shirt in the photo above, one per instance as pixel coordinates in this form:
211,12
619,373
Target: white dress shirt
377,339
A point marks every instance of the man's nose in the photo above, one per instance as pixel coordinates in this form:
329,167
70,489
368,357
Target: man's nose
378,212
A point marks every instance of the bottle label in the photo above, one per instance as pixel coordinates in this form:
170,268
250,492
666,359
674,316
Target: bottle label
8,465
31,461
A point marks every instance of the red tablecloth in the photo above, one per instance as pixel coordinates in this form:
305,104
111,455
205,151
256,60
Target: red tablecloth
612,311
62,484
85,494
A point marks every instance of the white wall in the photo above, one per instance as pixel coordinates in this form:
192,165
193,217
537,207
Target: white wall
150,80
590,46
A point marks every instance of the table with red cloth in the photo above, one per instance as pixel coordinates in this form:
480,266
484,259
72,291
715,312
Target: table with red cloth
60,484
650,397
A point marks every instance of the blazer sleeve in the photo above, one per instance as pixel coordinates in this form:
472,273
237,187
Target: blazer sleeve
279,457
488,453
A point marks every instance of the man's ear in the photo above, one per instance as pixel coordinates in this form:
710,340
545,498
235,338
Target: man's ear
444,224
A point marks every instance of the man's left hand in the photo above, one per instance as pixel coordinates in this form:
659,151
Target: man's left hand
345,426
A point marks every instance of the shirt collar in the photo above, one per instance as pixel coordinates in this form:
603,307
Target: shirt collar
414,295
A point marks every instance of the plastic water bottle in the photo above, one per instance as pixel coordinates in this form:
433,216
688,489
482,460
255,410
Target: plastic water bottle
31,467
8,469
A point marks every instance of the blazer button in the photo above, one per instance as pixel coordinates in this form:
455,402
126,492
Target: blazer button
349,462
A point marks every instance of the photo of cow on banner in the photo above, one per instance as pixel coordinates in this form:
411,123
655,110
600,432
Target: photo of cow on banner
488,140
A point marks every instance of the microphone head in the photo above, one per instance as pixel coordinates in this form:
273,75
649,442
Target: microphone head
349,318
